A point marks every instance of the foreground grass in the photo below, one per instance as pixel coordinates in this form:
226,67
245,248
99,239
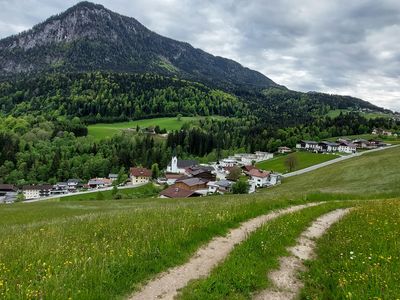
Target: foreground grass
245,270
103,255
103,130
364,262
304,159
144,191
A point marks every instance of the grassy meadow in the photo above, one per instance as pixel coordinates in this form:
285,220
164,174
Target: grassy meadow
144,191
365,260
103,130
106,249
304,160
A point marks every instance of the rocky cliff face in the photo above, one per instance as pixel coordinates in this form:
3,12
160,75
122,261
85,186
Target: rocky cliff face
89,37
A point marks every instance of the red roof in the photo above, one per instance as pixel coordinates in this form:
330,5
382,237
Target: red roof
140,172
258,173
249,168
176,192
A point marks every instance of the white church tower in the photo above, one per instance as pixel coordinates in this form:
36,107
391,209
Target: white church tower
173,166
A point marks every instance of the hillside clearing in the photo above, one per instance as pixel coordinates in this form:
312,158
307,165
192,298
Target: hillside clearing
304,160
103,130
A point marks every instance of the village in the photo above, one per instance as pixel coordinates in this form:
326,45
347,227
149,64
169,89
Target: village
188,178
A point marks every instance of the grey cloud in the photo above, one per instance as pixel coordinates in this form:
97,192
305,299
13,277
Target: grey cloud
341,46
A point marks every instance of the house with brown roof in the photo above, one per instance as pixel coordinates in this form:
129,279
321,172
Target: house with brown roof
204,172
192,184
171,178
284,150
247,169
98,183
178,192
140,175
260,177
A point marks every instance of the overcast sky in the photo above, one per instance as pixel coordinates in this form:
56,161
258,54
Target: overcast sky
347,47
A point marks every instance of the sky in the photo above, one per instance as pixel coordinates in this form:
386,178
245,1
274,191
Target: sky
333,46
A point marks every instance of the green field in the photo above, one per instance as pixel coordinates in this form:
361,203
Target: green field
369,115
304,159
145,191
106,249
102,130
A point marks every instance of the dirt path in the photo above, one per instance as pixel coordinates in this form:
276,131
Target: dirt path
167,284
285,280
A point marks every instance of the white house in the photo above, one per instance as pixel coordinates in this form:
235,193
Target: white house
308,145
36,191
179,166
263,156
284,150
347,147
228,162
221,186
328,146
73,184
261,178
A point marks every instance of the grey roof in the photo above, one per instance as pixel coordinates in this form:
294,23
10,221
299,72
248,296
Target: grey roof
182,164
112,175
73,181
7,187
193,181
330,144
95,182
224,183
37,187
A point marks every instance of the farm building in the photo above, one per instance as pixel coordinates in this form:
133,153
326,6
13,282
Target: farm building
140,175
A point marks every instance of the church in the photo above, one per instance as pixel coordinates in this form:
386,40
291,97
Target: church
179,166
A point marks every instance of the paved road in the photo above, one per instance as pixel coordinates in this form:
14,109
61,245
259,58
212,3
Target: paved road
87,192
333,161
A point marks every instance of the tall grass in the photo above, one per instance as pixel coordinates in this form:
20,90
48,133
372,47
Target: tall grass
359,258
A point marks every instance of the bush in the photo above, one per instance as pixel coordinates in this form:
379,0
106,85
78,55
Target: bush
240,187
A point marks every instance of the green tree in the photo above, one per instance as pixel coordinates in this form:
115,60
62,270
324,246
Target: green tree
155,171
234,174
20,197
240,187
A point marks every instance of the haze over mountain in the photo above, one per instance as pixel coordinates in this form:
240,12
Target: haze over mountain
89,37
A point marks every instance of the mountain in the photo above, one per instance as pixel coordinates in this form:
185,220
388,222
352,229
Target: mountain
89,37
